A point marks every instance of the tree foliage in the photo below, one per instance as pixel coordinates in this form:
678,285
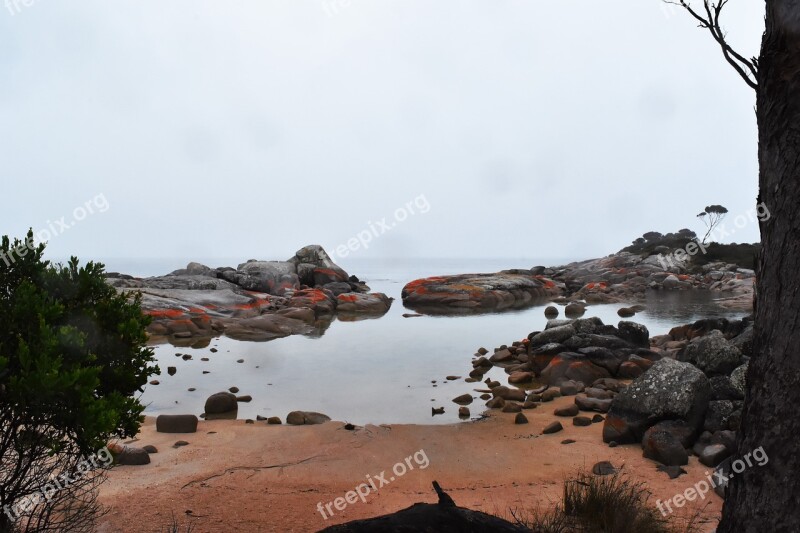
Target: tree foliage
72,356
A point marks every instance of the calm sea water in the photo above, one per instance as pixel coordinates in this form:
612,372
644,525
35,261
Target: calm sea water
374,371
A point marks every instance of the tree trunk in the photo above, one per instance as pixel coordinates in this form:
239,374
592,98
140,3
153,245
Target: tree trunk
767,498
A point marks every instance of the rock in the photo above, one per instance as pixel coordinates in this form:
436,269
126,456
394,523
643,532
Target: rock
672,471
597,418
463,412
572,366
629,370
712,354
738,379
150,449
508,393
551,311
718,414
550,394
664,447
671,282
171,370
308,418
553,427
600,394
274,421
570,410
233,390
372,304
520,419
221,403
713,454
574,310
678,429
581,421
553,335
130,456
466,293
626,312
464,399
722,388
603,468
570,388
512,407
246,398
585,403
496,403
520,377
568,441
176,424
669,390
180,444
634,333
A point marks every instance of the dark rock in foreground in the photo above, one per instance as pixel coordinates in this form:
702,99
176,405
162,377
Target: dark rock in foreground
443,517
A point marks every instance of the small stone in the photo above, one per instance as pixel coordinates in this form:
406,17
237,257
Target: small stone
244,399
603,468
180,443
597,418
171,370
581,421
349,427
191,389
553,427
485,396
240,360
249,421
512,407
186,357
568,441
155,382
464,399
463,412
213,350
234,389
437,411
613,444
570,410
453,378
274,421
150,448
520,419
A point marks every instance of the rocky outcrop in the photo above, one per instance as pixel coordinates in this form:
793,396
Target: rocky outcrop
470,293
258,300
669,390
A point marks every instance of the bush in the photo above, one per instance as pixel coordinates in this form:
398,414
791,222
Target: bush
594,504
72,354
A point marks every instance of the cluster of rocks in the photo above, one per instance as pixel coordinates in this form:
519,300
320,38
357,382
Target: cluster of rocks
580,357
627,276
621,277
258,300
675,394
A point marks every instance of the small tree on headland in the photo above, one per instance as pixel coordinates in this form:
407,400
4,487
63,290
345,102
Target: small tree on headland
72,354
711,216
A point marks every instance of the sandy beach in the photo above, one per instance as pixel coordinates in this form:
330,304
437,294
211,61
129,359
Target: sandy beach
234,476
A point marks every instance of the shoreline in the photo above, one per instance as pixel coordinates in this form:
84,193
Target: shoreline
234,476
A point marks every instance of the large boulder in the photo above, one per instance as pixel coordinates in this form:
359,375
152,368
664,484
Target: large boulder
712,354
220,404
662,446
634,333
307,418
572,366
669,390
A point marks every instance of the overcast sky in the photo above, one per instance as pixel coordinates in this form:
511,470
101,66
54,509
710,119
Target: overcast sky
251,128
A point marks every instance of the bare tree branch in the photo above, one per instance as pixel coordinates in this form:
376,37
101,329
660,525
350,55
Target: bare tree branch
747,68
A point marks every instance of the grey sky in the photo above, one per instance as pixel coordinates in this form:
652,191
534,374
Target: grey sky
249,129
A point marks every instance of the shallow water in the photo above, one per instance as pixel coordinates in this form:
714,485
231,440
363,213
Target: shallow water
379,371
